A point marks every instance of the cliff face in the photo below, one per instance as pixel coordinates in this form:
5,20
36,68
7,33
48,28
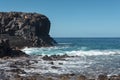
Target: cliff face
25,29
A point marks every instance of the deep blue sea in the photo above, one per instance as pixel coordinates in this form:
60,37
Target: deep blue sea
96,55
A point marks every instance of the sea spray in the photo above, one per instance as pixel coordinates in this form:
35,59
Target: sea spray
86,56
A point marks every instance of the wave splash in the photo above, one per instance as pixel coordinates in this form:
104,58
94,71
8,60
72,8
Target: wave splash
94,61
91,56
64,50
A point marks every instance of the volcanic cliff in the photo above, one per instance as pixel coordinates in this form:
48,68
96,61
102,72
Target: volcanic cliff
25,29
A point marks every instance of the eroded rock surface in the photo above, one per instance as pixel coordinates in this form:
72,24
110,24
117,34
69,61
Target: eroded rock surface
25,29
7,51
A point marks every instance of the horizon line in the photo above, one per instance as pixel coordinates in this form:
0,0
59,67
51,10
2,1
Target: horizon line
85,37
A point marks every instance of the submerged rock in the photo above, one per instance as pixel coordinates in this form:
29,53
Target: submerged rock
25,29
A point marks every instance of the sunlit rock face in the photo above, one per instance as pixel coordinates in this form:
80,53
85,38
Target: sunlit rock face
25,29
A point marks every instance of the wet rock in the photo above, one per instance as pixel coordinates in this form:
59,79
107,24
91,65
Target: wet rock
102,77
46,57
7,51
59,57
4,48
32,61
49,78
72,74
20,64
81,77
18,53
115,77
55,57
13,66
17,70
64,77
54,67
52,63
60,63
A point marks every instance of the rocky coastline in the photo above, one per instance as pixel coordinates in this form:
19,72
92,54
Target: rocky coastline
25,68
19,30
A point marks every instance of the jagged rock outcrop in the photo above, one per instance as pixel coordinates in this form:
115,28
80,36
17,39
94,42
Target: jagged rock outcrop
6,50
25,29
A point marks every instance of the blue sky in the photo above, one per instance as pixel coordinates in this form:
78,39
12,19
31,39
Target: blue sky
73,18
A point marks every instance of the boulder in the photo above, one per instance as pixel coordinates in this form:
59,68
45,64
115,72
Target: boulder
102,77
25,29
6,50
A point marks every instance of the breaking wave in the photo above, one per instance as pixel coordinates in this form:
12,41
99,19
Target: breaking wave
64,50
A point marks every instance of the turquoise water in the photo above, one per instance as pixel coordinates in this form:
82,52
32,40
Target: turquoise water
94,55
77,46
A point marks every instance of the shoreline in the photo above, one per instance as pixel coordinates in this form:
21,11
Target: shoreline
20,68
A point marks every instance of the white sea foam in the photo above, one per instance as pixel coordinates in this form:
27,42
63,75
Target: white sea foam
90,61
59,51
100,59
93,52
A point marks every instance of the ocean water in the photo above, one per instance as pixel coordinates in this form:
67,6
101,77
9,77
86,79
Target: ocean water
80,47
92,55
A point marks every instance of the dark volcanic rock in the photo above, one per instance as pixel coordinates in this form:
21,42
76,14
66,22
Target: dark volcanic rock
55,57
25,29
47,58
6,50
